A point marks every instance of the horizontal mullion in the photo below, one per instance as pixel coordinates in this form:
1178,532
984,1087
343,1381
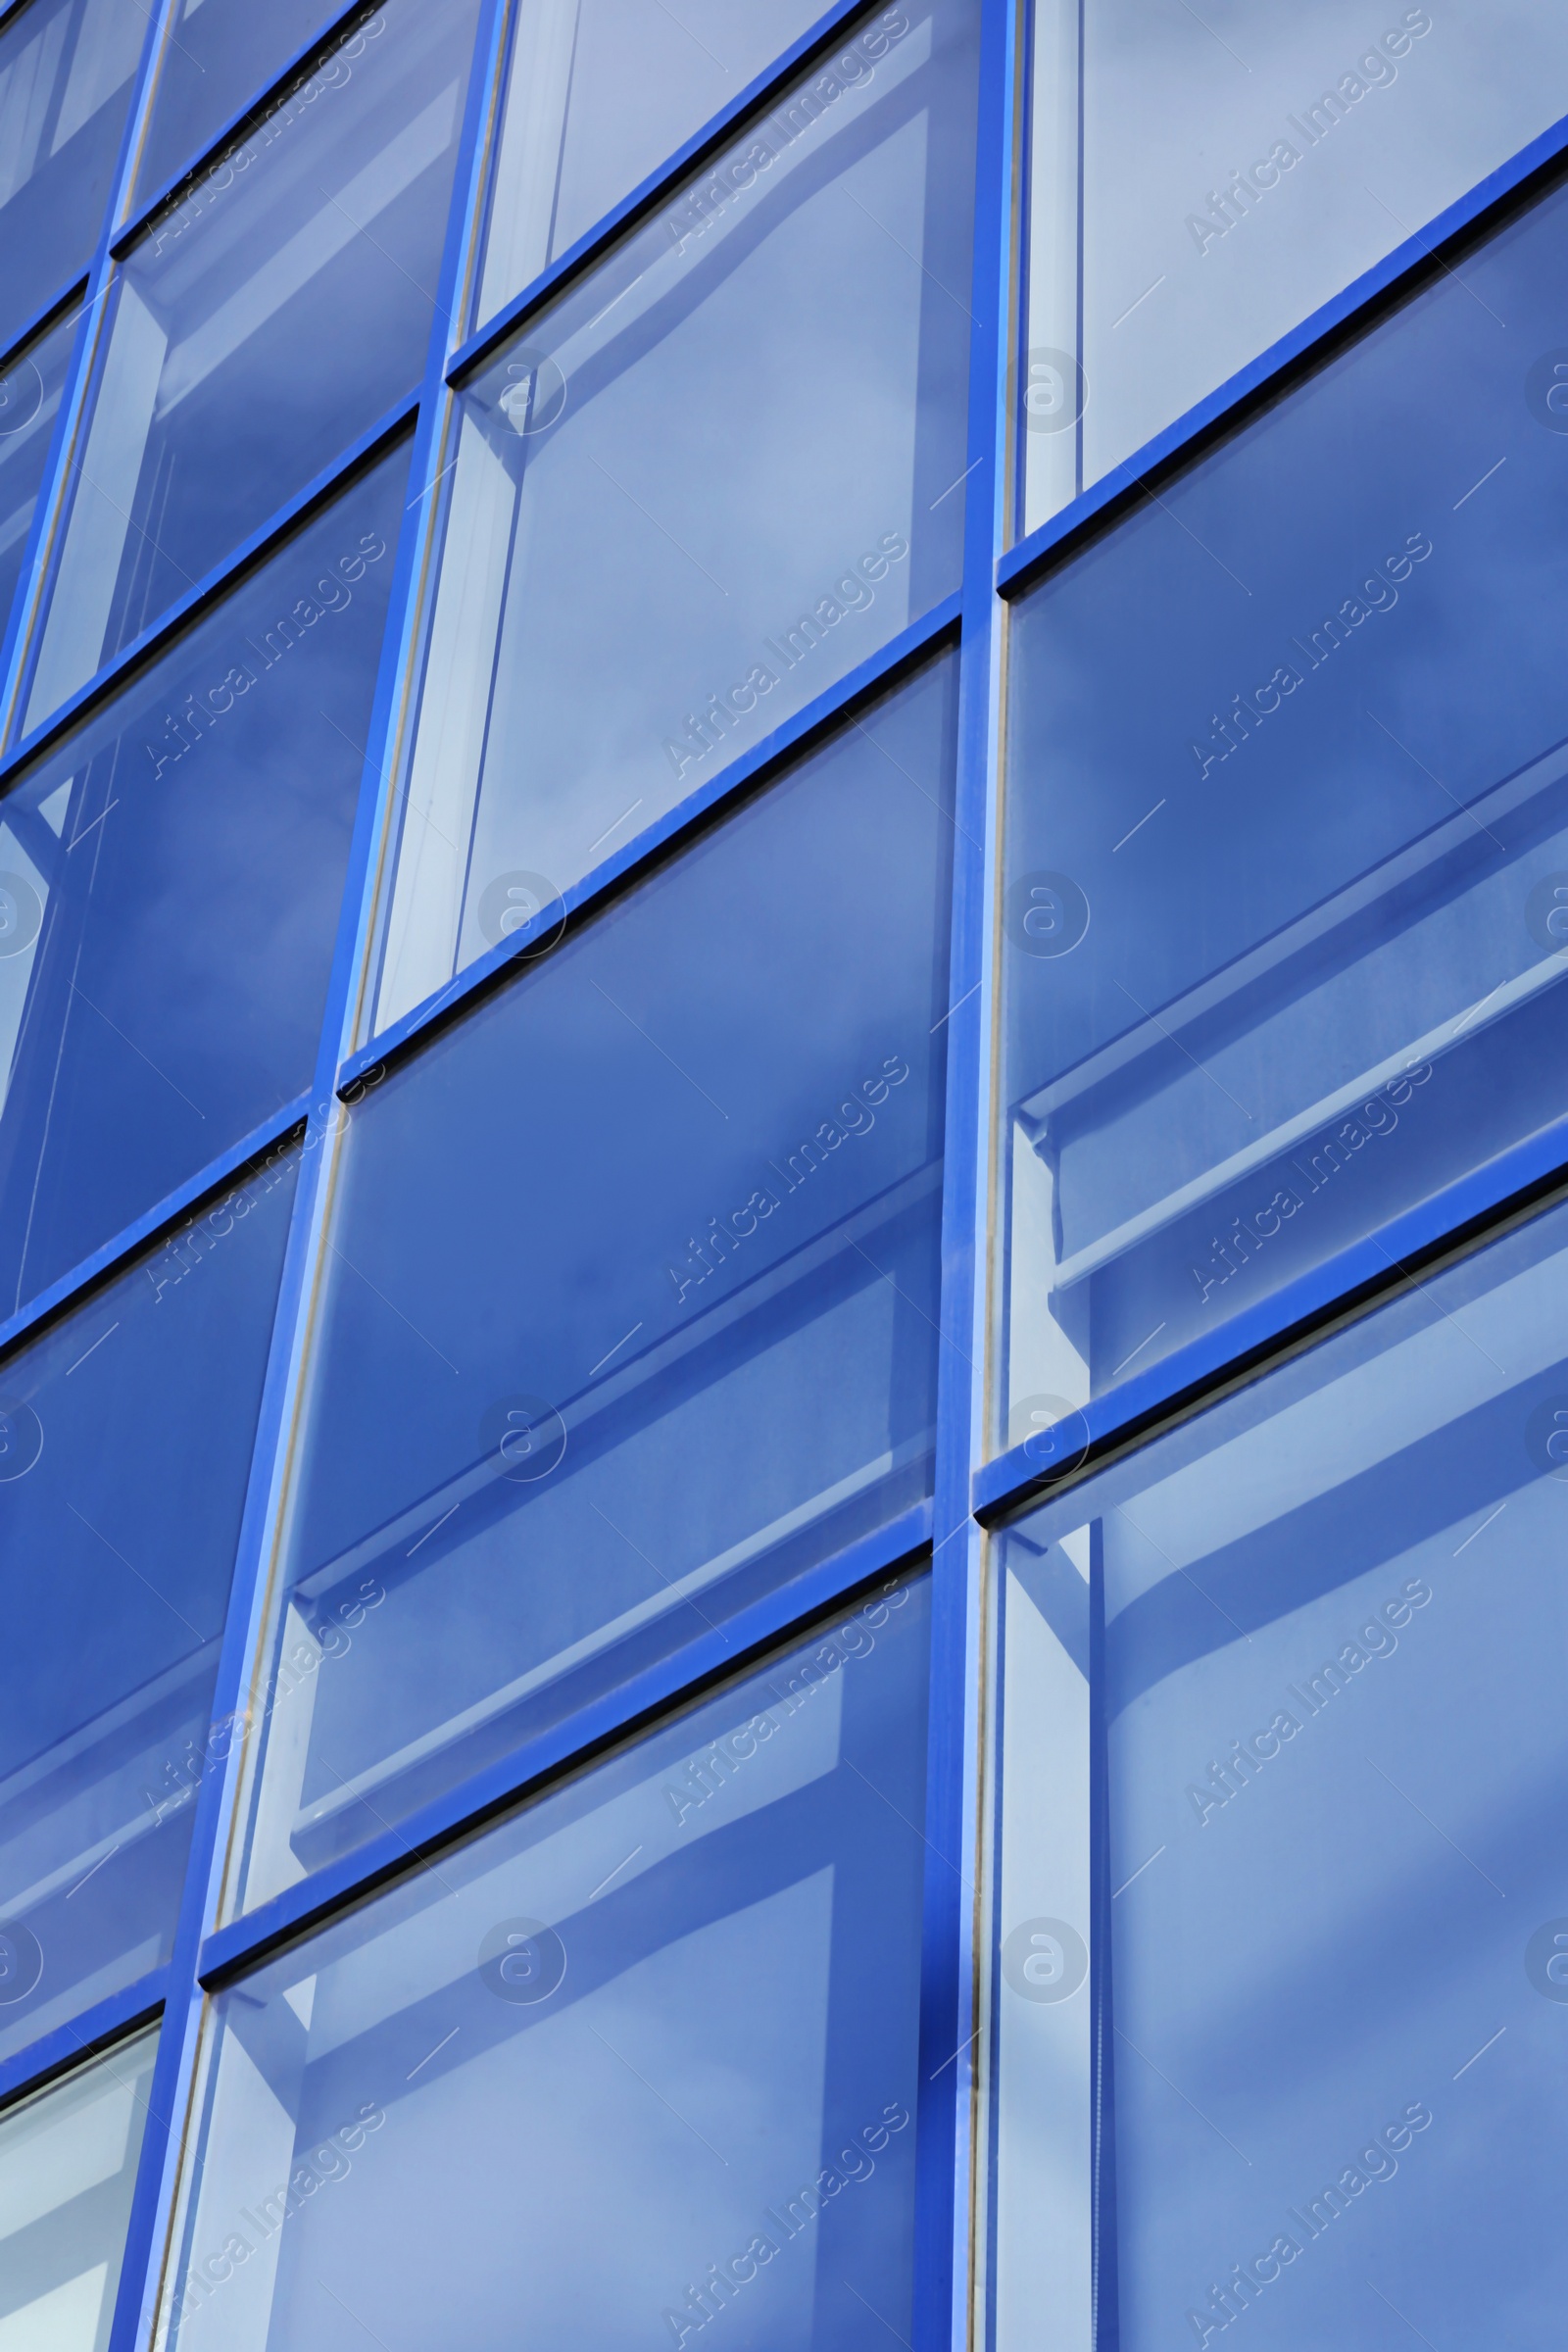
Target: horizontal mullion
1358,304
1458,1218
253,111
71,291
713,1655
143,1230
580,258
247,558
107,2021
788,742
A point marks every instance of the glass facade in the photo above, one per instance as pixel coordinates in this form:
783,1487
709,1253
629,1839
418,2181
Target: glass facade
783,1174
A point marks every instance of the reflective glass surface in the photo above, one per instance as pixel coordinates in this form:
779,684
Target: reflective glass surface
640,2062
572,1406
261,326
170,882
31,385
709,480
68,2167
1287,837
1202,180
217,56
599,93
1282,1916
125,1446
66,73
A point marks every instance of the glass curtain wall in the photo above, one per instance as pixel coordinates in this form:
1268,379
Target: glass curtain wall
783,878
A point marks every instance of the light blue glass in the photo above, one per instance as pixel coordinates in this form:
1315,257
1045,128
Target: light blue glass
713,477
638,2064
259,327
31,384
1204,180
67,2168
66,73
171,875
218,57
628,1315
599,94
125,1437
1286,867
1281,1935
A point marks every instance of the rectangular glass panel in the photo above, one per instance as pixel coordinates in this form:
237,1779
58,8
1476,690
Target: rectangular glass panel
218,56
259,328
170,883
66,73
599,93
571,1408
1240,165
1287,837
67,2168
1310,1646
125,1437
30,386
739,445
640,2061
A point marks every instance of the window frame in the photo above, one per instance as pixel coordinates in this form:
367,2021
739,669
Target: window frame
970,1492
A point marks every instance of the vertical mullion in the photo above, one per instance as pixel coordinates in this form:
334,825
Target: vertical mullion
174,2072
944,2234
16,640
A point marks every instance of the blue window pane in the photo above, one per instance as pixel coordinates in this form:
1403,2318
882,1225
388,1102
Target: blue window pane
639,2062
1287,848
68,2167
259,327
217,55
66,74
573,1407
171,873
599,93
1281,1899
125,1446
1204,180
738,445
30,386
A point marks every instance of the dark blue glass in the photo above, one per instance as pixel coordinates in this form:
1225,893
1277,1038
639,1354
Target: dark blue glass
67,2168
259,327
218,56
170,883
1281,2022
739,444
66,68
125,1437
629,1304
1287,837
637,2065
31,385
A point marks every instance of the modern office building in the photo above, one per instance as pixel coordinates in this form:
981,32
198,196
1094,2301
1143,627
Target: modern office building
783,1175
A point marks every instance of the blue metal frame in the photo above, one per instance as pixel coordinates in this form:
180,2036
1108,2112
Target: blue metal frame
948,2070
210,1948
